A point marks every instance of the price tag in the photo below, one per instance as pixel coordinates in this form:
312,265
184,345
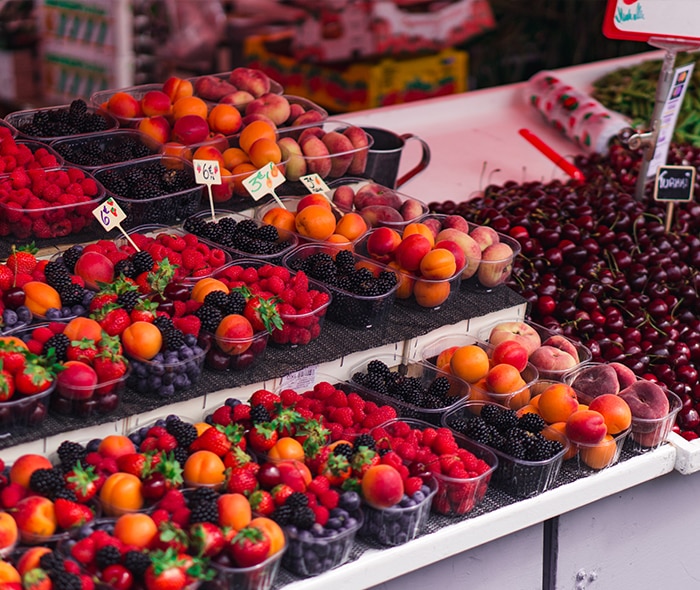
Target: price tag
111,215
264,181
674,183
314,183
299,380
207,172
640,20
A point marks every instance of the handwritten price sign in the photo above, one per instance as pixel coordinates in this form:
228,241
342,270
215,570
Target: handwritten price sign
207,172
314,183
110,215
640,20
264,181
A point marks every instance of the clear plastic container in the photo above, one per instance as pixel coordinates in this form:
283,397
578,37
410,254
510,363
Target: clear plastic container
426,373
86,402
401,523
431,351
256,577
517,477
580,353
6,125
347,308
234,354
167,208
84,151
275,86
54,220
594,457
100,99
21,413
20,119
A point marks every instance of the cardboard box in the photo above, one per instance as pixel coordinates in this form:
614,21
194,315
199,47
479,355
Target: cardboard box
349,29
18,81
361,85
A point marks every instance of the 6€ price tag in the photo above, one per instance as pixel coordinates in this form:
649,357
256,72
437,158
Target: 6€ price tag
109,214
314,183
207,172
264,181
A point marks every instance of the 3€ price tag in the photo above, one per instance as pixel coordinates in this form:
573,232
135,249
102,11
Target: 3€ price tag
264,181
109,214
314,183
207,172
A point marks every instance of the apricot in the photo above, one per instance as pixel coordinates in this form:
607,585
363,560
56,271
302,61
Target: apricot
177,88
351,225
504,378
600,455
225,119
263,151
382,486
234,156
8,531
155,102
469,362
420,229
254,131
124,105
204,468
40,297
234,335
203,287
115,446
35,517
82,327
137,529
557,402
438,264
156,127
189,105
431,293
240,173
316,222
281,218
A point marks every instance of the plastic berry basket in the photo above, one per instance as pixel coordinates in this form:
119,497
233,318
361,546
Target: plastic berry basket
21,413
347,308
583,353
514,399
518,477
425,374
455,496
21,120
233,354
106,148
257,577
6,125
168,207
592,457
310,554
169,372
56,219
401,523
86,402
100,99
239,247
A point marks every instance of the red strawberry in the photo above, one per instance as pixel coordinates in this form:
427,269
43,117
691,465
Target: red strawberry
6,277
214,439
71,514
133,463
265,398
114,319
261,502
222,415
7,384
36,579
250,547
83,350
188,324
84,482
242,481
280,493
262,437
144,311
101,300
109,366
206,539
263,314
84,550
22,259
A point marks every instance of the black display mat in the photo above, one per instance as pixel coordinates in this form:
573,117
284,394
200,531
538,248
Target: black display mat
334,342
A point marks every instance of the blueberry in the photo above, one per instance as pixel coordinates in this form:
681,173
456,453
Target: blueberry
53,314
209,419
190,339
154,381
181,381
349,501
135,438
9,317
168,379
66,312
232,401
93,445
334,523
23,314
157,369
140,369
88,296
166,391
171,357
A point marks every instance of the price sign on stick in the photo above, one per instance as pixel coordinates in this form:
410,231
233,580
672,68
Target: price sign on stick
207,172
314,183
264,181
674,184
641,20
110,215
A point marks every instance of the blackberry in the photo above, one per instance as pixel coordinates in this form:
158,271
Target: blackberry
515,448
459,425
69,453
227,224
364,440
142,261
137,562
203,494
163,323
184,432
217,299
107,555
247,227
92,123
47,481
259,413
345,261
377,366
541,450
57,274
343,450
304,518
60,344
282,515
296,500
210,317
51,563
477,429
439,387
375,382
267,233
531,422
324,271
71,256
125,267
71,294
205,511
490,413
181,454
506,419
128,299
195,225
235,303
77,109
173,339
433,402
66,494
63,580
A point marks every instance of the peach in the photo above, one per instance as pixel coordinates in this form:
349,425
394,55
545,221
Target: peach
156,127
234,334
343,197
292,155
510,352
237,99
317,154
341,150
212,88
442,361
412,209
456,250
504,378
382,486
646,399
472,251
29,559
248,119
496,264
376,215
456,222
155,102
22,469
35,515
376,194
209,152
94,267
313,199
586,427
411,250
251,80
273,106
190,129
315,131
294,473
177,88
225,119
115,446
484,236
382,243
625,375
615,410
295,110
549,358
307,118
594,380
124,105
518,331
360,142
600,455
433,225
8,531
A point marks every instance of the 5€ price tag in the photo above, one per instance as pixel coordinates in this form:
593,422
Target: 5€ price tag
207,172
109,214
264,181
314,183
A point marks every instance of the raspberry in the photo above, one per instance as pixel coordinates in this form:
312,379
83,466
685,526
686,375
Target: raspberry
406,450
444,443
216,258
338,399
412,485
323,390
192,259
468,459
329,499
321,513
249,275
335,429
175,242
275,285
42,334
319,485
391,458
222,415
188,324
343,416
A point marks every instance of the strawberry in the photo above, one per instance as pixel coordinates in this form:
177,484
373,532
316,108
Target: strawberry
167,571
250,547
37,375
206,539
83,350
36,579
102,299
262,437
6,277
222,415
241,481
7,384
144,311
262,313
363,459
265,398
113,318
188,324
261,502
133,463
22,260
84,551
280,493
214,439
237,457
84,482
170,536
109,366
71,514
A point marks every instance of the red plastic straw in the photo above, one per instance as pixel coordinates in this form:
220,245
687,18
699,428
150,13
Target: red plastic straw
556,157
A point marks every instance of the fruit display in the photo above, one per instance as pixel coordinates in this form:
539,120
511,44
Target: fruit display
237,87
156,189
415,388
51,123
25,154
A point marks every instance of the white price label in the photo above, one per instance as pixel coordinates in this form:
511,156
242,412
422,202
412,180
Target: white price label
109,214
299,380
207,171
264,181
314,183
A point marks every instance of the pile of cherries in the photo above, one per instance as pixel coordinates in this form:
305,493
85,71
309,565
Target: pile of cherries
599,266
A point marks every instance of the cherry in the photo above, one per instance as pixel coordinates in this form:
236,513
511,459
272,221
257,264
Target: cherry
13,297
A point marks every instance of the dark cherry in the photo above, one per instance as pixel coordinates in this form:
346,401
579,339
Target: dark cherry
13,298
